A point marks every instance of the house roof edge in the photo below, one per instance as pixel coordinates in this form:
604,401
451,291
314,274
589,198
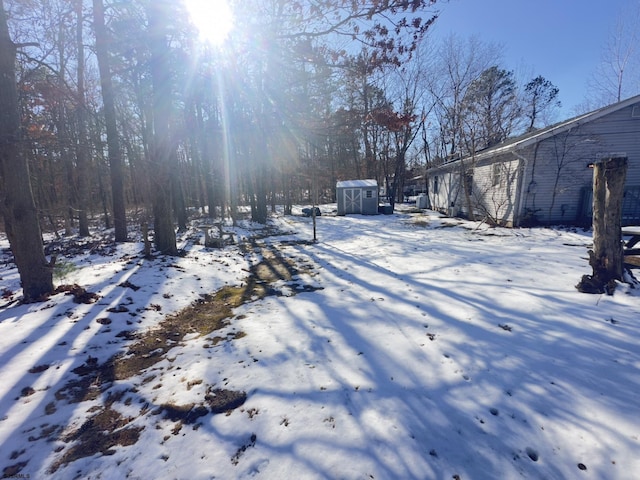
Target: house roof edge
547,132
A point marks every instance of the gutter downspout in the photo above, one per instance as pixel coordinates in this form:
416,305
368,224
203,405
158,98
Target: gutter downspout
517,214
521,197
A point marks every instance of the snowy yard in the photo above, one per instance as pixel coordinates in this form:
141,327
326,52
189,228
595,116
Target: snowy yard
408,346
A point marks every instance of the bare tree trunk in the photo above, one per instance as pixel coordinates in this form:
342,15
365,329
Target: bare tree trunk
259,202
195,150
371,136
82,153
69,197
18,207
606,258
179,204
163,149
207,162
113,142
287,186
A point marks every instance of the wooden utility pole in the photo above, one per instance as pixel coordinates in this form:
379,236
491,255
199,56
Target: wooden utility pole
607,257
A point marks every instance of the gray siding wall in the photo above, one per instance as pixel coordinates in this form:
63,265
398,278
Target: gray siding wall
370,205
558,172
445,192
494,193
495,190
547,180
340,200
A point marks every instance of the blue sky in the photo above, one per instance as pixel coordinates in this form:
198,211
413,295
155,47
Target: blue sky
562,40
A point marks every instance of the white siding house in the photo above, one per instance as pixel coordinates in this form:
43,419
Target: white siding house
544,176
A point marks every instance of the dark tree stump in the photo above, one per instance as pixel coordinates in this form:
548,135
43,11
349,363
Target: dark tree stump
607,256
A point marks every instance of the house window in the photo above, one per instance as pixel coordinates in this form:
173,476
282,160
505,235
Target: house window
435,184
496,174
635,112
368,193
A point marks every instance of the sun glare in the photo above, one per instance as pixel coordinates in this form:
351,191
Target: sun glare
212,18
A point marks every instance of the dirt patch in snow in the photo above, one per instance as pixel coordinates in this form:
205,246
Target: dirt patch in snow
99,434
107,428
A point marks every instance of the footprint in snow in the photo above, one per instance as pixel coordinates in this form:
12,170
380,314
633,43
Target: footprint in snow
532,454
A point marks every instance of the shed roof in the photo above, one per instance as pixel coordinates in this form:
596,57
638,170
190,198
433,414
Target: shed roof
356,183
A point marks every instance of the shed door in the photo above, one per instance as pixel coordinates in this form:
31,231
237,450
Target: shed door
352,200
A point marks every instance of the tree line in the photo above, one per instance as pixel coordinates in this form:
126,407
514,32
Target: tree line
114,108
117,111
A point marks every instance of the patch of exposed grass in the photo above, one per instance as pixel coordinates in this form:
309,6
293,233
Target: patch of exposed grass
99,434
39,368
205,316
108,428
413,210
13,471
420,222
449,225
221,400
185,414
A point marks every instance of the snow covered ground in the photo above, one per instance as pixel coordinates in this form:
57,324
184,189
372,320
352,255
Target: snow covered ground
408,346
